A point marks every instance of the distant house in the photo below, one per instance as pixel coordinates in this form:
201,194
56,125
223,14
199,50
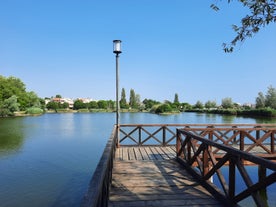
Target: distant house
85,100
62,101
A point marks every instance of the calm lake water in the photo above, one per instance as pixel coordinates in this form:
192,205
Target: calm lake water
48,160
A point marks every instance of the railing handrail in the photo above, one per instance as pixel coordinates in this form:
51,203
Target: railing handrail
235,152
163,134
98,190
196,125
188,153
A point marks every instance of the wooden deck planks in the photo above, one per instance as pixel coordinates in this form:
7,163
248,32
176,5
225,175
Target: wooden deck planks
150,176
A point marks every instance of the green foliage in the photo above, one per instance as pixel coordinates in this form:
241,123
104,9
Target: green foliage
93,105
132,99
176,100
34,110
261,14
163,108
263,112
123,102
9,106
260,100
78,104
269,100
149,103
102,104
52,105
14,97
199,105
210,104
227,103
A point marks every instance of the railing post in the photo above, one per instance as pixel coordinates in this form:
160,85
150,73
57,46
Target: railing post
189,149
232,179
118,135
234,132
140,136
164,136
178,142
272,141
242,140
257,132
261,177
205,161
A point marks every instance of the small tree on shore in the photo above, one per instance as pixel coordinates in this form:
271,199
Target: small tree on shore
227,103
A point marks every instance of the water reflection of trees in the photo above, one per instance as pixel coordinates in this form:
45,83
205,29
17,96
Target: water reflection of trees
11,135
228,119
265,120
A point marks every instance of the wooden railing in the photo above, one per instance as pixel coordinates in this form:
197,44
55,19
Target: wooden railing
98,190
253,138
165,134
148,134
198,155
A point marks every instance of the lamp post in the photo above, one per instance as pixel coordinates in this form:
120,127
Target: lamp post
117,51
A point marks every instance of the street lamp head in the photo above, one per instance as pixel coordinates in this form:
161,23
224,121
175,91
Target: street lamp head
117,46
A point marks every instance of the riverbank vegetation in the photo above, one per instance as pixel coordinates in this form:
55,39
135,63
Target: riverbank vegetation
14,97
15,100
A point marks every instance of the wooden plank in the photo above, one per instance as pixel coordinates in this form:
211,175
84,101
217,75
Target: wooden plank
125,153
144,153
161,153
168,152
156,183
138,154
156,154
131,154
118,154
150,153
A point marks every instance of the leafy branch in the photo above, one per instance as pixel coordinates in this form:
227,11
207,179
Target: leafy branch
262,13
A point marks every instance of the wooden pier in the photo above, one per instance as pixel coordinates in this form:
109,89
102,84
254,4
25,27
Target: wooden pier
173,165
151,176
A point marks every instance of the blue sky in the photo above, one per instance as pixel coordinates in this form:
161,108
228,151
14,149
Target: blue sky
65,47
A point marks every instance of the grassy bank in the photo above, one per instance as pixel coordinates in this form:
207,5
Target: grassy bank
265,112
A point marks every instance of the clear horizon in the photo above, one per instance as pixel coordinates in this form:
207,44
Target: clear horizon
65,47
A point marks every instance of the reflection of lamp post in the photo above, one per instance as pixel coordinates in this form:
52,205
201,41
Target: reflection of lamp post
117,51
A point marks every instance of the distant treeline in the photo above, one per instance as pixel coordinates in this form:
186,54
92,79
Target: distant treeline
263,112
14,98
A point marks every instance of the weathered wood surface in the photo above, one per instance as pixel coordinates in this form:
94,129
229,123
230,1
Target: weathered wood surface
150,176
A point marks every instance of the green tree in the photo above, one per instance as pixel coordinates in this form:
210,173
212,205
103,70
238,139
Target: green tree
78,104
102,104
137,100
123,102
52,105
227,103
164,108
210,104
93,105
12,86
270,98
185,106
176,100
261,13
260,100
132,99
111,104
199,105
149,103
9,106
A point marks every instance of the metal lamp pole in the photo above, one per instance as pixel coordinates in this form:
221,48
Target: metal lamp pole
117,51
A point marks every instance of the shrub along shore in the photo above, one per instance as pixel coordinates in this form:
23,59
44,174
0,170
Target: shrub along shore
265,112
